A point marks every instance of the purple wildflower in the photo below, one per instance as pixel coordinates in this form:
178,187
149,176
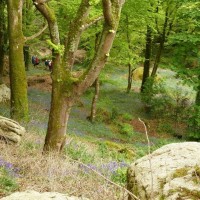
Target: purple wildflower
9,167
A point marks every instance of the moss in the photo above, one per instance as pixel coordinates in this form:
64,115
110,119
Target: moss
113,145
120,149
181,172
185,193
196,175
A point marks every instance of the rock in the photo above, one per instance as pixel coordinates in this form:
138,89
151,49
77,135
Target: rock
4,93
10,130
174,173
33,195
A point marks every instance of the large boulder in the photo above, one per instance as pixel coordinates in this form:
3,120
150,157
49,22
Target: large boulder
10,130
4,93
33,195
171,173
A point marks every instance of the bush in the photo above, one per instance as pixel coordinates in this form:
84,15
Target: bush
194,124
78,152
160,103
7,180
126,129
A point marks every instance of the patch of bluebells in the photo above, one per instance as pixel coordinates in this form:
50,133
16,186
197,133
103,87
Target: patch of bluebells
10,169
107,169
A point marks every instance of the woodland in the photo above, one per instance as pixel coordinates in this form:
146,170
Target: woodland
124,72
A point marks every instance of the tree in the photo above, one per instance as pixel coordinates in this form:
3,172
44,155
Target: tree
2,36
18,83
147,57
66,89
163,14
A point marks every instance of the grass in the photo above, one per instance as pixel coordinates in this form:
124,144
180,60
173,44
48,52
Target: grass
108,146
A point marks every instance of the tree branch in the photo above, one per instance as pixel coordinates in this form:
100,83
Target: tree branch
107,11
86,26
74,35
51,19
36,34
108,180
105,44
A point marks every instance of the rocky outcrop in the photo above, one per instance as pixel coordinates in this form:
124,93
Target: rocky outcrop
33,195
10,130
171,173
4,93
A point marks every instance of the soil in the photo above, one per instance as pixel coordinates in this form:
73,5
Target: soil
40,82
43,83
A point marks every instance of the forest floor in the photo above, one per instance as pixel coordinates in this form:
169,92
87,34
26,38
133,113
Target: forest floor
107,146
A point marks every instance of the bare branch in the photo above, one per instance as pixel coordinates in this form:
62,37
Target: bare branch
149,154
37,34
86,26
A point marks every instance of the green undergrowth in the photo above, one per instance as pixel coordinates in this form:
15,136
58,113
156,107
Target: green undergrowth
8,183
109,144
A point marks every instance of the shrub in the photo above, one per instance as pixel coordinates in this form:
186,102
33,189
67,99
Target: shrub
78,152
7,177
126,129
160,103
194,124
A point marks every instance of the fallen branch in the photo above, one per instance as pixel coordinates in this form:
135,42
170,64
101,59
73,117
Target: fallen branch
102,176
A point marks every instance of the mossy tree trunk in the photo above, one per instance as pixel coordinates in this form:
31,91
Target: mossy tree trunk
65,88
2,37
18,82
147,58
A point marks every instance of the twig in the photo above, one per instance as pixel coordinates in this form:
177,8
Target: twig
102,176
149,153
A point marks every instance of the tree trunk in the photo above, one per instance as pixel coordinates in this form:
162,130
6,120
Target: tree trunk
157,59
130,72
197,100
96,85
58,119
2,37
130,78
26,57
147,58
18,82
161,45
94,101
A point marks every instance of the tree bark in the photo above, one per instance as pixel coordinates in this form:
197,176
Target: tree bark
18,82
65,88
2,37
130,78
26,57
197,100
130,71
96,85
76,28
147,58
94,101
161,45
